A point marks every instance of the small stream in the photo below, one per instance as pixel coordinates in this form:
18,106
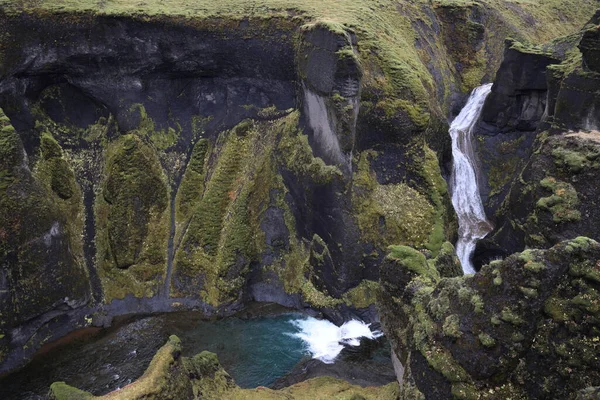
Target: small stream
255,351
472,221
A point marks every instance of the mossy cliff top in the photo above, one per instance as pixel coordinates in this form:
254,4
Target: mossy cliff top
171,376
397,38
525,327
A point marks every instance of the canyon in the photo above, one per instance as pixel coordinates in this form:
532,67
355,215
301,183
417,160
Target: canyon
184,156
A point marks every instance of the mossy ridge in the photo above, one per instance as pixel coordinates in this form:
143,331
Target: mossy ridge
53,171
296,273
241,177
363,295
132,219
224,235
576,157
225,194
296,154
294,268
442,318
191,187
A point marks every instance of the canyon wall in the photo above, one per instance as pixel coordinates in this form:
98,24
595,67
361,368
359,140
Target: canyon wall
168,158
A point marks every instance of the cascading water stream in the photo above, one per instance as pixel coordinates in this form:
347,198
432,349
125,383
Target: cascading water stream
472,222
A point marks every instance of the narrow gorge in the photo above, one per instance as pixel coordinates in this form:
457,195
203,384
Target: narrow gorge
333,199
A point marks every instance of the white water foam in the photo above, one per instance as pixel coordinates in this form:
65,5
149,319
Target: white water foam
472,222
325,340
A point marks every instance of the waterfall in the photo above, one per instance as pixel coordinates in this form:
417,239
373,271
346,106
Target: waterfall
326,340
472,222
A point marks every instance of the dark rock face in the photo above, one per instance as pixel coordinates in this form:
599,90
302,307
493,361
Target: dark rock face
555,197
523,327
511,114
517,100
590,49
540,198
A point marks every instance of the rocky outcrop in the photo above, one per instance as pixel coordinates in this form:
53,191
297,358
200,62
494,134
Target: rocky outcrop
509,119
524,327
171,376
43,279
540,180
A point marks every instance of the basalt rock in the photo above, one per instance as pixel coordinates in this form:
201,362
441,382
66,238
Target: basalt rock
525,327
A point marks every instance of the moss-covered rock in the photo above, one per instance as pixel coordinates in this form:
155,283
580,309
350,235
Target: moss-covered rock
41,250
132,219
480,337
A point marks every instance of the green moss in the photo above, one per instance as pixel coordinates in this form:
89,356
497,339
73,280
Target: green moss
465,391
579,244
60,175
296,273
363,295
510,316
451,326
49,146
215,201
162,139
586,270
477,303
62,391
413,260
391,214
415,112
438,195
442,361
530,293
557,308
486,340
191,187
562,203
529,48
497,277
297,155
576,161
